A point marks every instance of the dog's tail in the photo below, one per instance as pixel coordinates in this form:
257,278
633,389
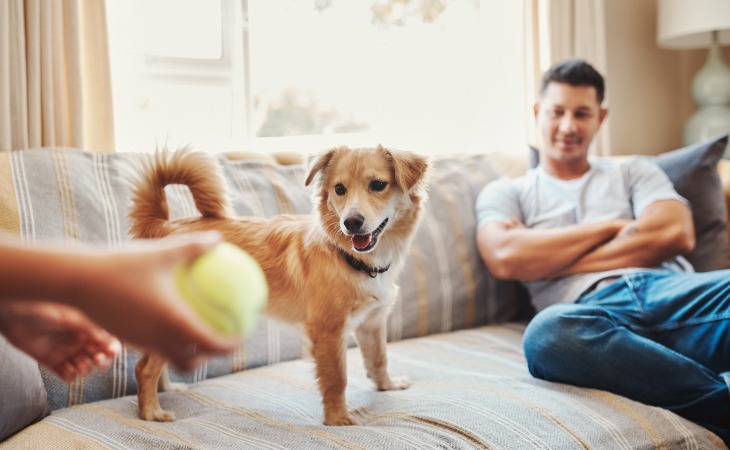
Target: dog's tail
150,216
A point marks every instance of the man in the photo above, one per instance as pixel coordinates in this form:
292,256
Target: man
598,245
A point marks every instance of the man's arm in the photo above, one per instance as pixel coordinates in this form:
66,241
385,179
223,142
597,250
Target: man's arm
512,251
664,231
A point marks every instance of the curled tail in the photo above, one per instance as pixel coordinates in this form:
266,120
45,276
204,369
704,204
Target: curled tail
150,215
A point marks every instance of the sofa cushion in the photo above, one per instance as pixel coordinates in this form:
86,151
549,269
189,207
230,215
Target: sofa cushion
23,395
68,195
693,171
470,389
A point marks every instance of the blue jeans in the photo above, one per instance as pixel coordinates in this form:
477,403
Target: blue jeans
662,339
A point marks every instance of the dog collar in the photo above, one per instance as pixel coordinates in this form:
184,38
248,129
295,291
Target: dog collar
358,264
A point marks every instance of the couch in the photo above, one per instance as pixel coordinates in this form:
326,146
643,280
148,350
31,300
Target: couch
455,331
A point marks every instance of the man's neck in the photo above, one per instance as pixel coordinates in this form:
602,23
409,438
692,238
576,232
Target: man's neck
566,170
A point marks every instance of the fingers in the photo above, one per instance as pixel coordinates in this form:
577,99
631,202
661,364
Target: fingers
101,343
113,349
96,350
99,347
102,358
82,365
78,365
184,357
65,371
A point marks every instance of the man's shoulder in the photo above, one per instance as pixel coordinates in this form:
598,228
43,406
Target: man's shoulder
623,162
628,167
506,189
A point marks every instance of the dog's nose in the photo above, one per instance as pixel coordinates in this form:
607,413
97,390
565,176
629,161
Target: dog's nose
354,223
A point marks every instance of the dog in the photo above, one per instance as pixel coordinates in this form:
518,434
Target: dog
334,271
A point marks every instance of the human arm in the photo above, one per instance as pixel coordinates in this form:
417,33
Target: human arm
129,292
663,231
512,251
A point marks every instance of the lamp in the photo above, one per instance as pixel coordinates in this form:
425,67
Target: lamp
698,24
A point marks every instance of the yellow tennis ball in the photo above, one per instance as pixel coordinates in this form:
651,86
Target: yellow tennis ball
226,286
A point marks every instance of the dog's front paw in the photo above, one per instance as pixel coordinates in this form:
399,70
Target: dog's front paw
342,419
156,415
393,383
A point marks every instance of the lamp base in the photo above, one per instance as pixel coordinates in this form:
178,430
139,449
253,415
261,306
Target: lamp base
711,92
707,122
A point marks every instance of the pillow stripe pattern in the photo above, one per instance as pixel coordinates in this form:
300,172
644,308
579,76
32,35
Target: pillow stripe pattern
66,192
9,220
114,223
25,223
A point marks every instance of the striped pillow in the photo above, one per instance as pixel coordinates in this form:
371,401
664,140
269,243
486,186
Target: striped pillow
68,195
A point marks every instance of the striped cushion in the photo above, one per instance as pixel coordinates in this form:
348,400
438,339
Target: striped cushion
68,195
471,389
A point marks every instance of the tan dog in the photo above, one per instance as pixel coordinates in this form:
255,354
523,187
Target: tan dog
334,271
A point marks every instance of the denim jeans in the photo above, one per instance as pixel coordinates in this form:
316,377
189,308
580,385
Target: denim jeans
662,339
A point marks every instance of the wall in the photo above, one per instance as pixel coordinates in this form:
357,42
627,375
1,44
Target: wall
648,88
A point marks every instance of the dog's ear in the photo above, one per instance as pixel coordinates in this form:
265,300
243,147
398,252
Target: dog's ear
410,169
317,163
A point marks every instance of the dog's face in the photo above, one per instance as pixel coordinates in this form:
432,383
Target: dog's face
365,194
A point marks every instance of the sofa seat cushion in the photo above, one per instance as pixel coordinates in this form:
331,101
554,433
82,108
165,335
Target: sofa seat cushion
470,389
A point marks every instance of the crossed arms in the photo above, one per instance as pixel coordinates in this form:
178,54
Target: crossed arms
513,251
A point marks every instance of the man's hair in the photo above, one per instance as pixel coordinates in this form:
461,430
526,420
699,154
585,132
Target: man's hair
575,72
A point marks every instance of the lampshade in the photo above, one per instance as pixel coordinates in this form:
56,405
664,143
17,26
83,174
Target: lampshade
701,23
689,23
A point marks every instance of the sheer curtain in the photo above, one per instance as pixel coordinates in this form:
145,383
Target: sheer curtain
558,29
55,85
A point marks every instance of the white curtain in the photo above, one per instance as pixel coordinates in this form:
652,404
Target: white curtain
55,84
558,29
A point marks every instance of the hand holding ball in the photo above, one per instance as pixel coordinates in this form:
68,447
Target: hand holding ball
226,286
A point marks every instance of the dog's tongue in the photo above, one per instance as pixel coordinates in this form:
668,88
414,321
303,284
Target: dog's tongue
361,240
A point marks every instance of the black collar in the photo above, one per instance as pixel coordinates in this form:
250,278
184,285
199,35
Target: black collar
358,264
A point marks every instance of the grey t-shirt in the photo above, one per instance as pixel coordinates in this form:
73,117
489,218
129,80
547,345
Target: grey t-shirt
609,190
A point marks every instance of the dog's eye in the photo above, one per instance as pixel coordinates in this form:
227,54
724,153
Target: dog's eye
340,189
377,185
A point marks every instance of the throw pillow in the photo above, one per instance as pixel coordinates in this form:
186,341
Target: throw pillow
693,171
21,389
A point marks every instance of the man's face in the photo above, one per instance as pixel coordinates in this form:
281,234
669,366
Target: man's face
567,119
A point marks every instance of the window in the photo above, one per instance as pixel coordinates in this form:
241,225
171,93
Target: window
433,76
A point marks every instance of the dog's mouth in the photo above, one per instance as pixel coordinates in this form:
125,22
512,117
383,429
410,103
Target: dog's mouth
365,242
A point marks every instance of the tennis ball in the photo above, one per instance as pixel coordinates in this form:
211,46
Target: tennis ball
226,286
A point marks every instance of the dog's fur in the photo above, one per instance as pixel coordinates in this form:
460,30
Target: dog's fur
304,258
